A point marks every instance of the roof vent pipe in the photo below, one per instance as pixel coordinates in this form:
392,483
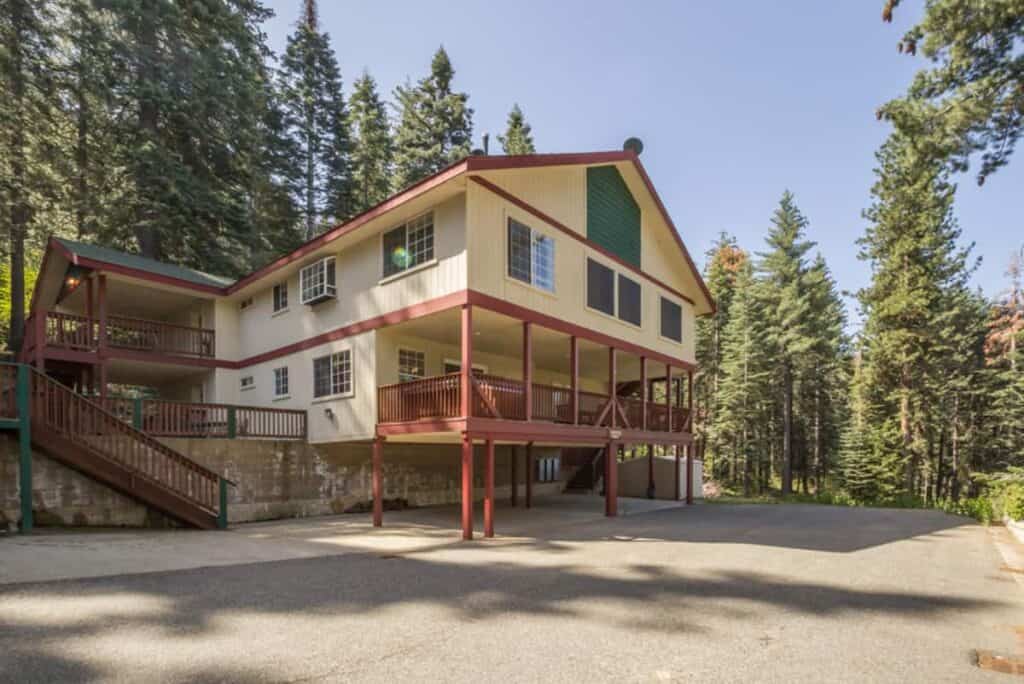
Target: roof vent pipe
634,145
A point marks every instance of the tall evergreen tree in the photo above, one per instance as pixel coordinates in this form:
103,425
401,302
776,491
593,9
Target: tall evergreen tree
372,147
435,124
784,271
518,138
316,116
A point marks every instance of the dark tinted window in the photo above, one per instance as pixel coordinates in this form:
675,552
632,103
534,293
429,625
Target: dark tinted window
519,258
600,287
629,300
671,320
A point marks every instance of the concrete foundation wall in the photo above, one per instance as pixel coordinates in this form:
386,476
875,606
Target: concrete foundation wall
277,479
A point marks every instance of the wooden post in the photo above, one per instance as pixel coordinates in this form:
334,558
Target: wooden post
378,482
643,394
689,473
489,490
676,447
527,370
529,474
650,471
613,394
101,353
514,476
467,478
668,397
22,397
90,311
611,480
574,372
466,370
39,320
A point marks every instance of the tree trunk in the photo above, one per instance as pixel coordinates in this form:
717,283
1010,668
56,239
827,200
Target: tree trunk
787,430
82,153
954,452
149,113
20,209
905,432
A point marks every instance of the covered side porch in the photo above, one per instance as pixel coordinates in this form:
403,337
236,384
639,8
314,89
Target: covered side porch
487,374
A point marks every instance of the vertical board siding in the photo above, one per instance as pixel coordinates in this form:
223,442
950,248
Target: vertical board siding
613,216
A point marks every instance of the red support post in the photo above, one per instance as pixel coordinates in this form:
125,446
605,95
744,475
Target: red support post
643,394
529,474
378,482
466,379
101,353
689,473
528,370
467,485
676,447
514,476
611,480
574,372
489,490
613,393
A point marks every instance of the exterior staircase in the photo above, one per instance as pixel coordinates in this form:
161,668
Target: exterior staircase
80,434
589,476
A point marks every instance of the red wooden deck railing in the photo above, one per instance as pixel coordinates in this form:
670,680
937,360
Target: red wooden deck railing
438,397
72,331
165,418
60,410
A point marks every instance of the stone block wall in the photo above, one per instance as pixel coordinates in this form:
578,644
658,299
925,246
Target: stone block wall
276,479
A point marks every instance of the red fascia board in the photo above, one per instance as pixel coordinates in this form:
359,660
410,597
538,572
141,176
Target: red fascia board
554,223
393,202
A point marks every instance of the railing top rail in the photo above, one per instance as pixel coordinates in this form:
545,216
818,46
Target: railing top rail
420,381
151,442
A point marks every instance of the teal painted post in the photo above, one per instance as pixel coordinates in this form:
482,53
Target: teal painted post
25,444
222,514
137,413
232,423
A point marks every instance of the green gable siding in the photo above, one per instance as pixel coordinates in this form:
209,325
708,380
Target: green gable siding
613,216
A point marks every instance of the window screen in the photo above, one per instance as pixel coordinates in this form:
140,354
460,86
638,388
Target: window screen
600,287
671,320
629,300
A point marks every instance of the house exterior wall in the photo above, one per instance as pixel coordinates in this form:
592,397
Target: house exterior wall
564,199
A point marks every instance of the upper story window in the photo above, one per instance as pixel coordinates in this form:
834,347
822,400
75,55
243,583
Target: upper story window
411,365
408,245
332,374
247,382
613,293
317,281
280,297
671,320
531,256
281,382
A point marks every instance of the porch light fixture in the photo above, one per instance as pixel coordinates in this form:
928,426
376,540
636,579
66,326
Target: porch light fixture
329,413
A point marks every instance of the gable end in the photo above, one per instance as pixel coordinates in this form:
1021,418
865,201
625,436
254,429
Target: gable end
613,216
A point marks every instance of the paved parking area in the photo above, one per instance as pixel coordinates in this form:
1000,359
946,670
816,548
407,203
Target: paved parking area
709,592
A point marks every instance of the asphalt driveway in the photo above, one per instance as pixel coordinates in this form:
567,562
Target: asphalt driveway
710,593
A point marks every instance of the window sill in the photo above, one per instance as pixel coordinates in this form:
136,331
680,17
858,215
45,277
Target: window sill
333,397
282,397
281,312
602,314
678,343
246,389
409,271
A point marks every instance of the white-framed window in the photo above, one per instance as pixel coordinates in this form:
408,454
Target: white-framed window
245,304
247,382
332,374
408,245
412,365
548,469
281,381
531,256
317,281
671,320
281,296
453,366
613,293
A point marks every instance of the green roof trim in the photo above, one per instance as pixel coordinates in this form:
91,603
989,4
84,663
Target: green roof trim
141,263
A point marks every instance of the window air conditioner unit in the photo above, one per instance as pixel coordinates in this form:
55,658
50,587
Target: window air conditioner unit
317,282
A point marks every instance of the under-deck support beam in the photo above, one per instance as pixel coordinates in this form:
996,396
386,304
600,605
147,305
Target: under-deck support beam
467,486
489,490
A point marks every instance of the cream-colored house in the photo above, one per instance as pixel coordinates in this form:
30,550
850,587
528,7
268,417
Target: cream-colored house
536,300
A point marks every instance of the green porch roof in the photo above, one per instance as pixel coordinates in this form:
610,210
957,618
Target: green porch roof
141,263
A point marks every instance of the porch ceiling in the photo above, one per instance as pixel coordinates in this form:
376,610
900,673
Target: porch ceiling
123,371
132,298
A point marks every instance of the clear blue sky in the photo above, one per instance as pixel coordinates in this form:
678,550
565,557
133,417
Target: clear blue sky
735,102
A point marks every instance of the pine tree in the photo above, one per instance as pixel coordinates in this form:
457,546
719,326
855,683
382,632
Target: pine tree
435,124
517,138
372,148
784,271
27,133
315,109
